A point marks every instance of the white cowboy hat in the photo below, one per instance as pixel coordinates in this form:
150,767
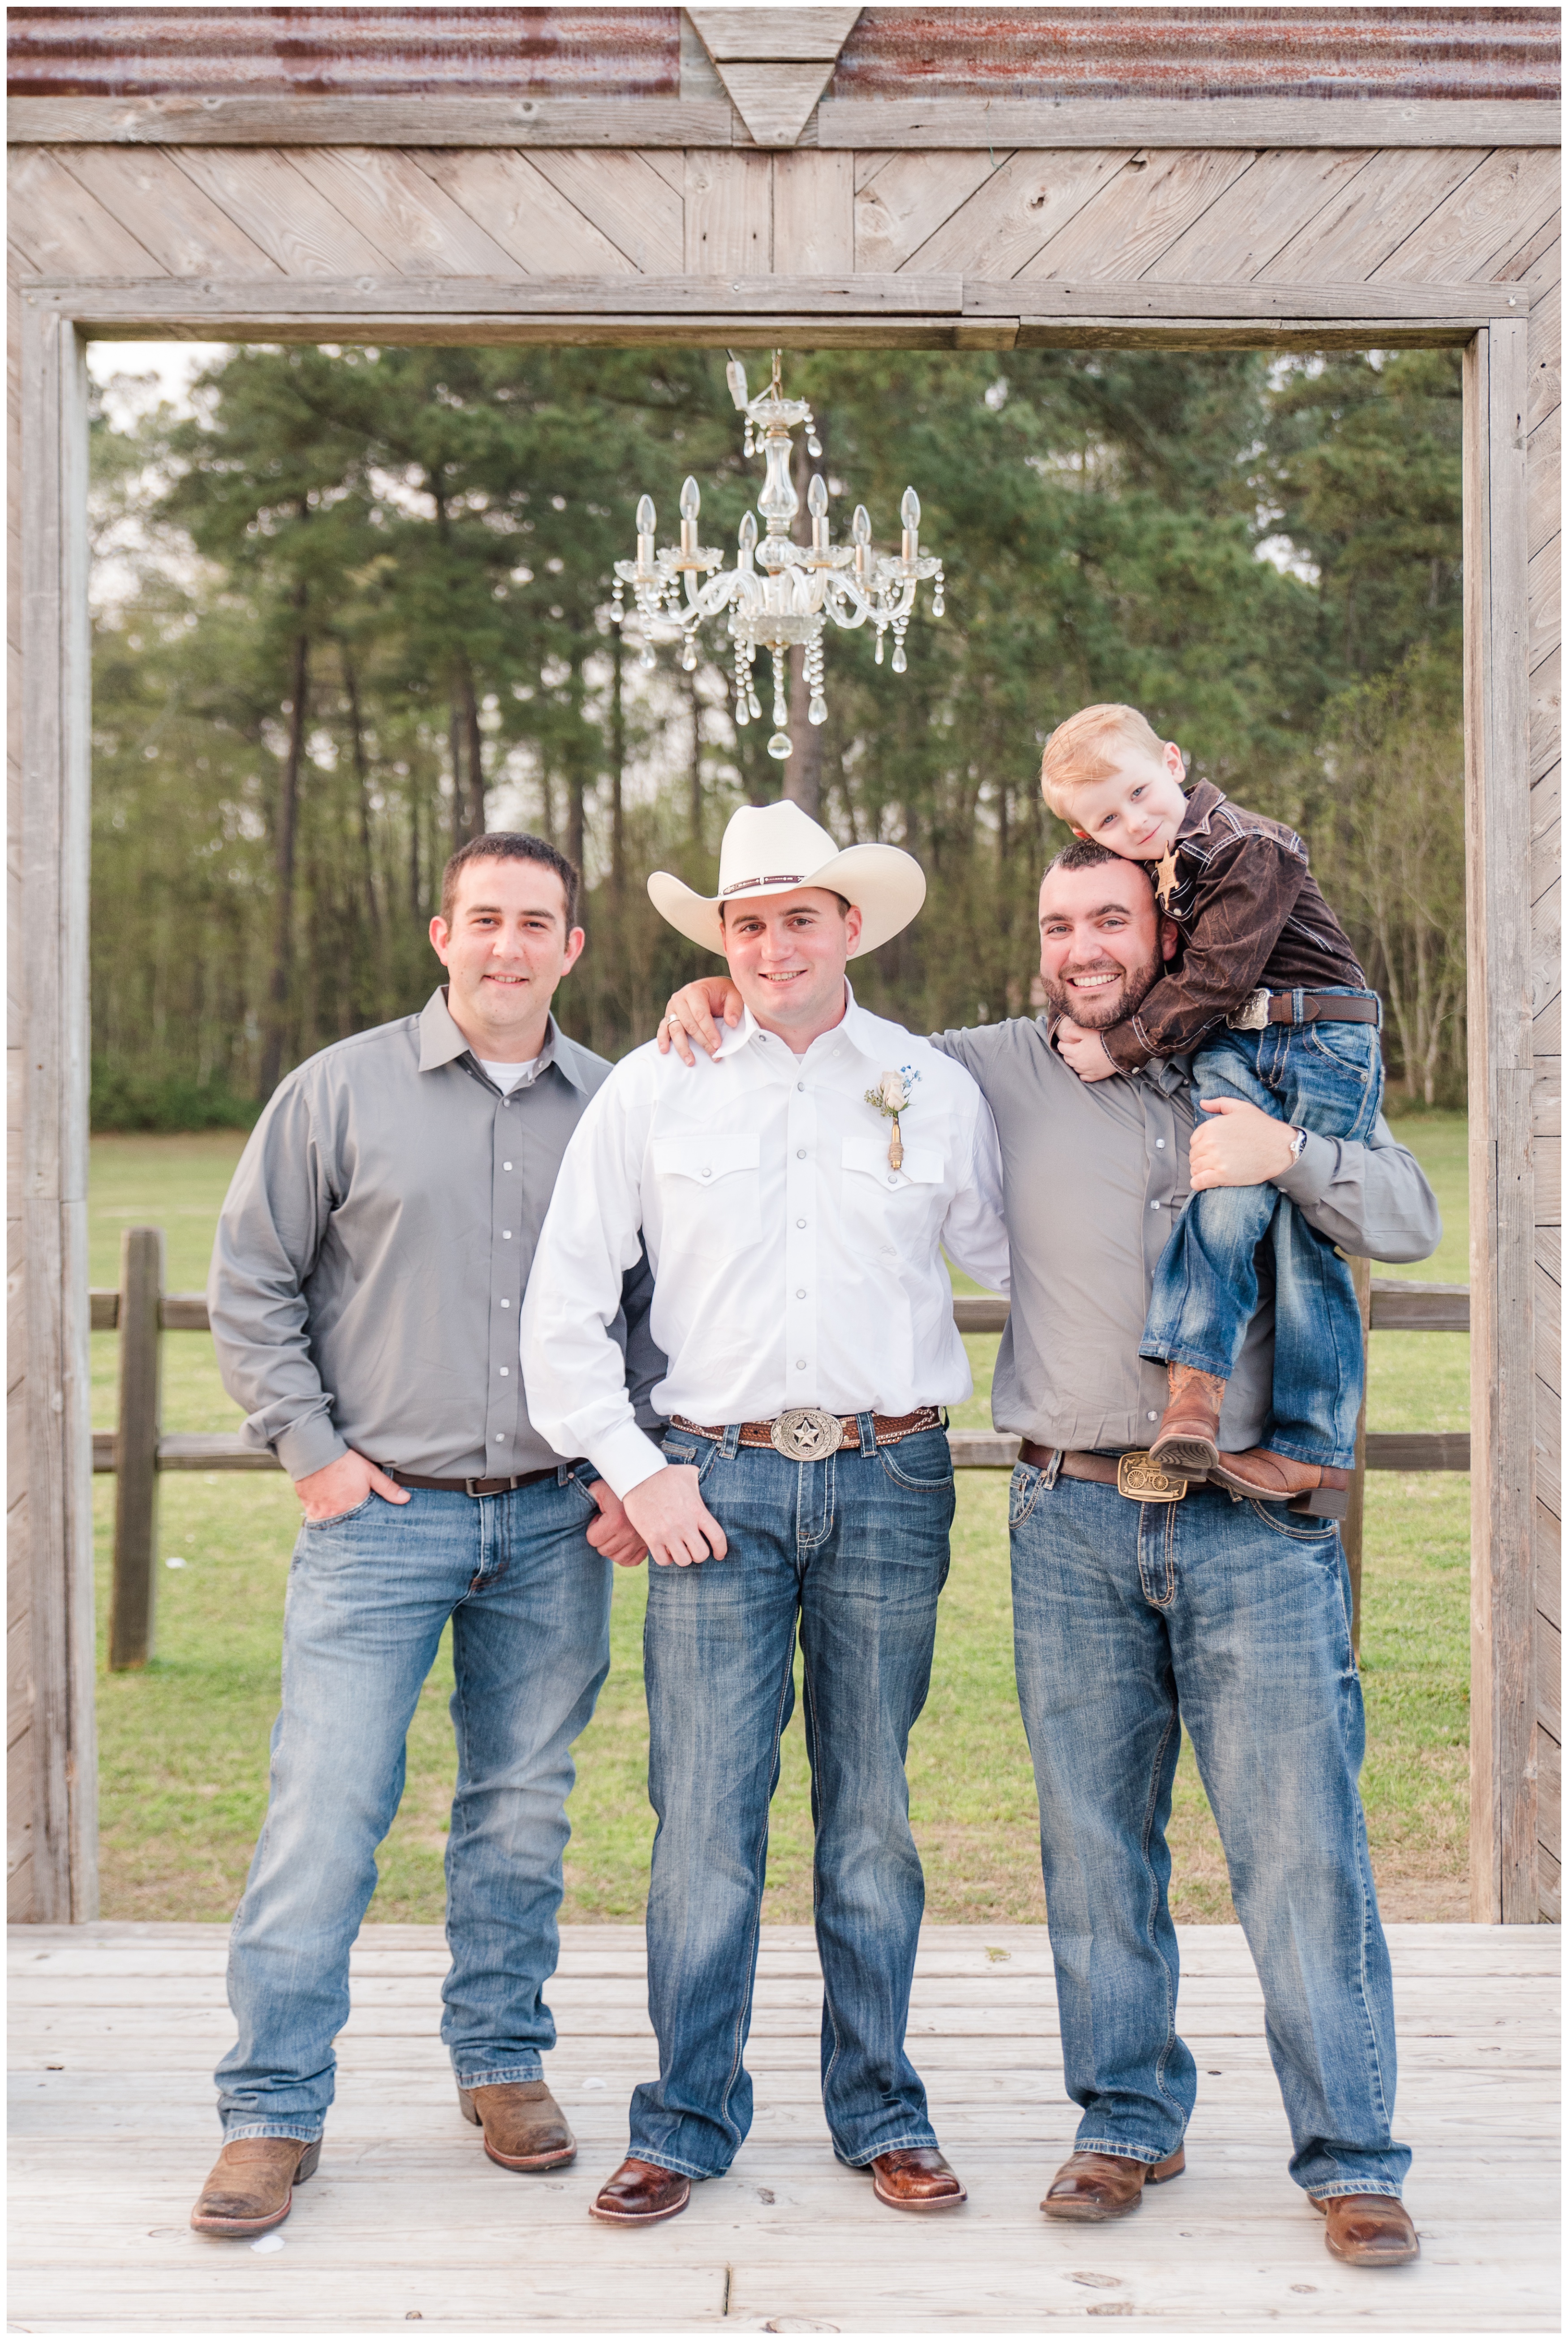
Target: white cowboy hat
776,848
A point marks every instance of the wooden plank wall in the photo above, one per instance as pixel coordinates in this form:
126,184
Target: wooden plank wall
1011,243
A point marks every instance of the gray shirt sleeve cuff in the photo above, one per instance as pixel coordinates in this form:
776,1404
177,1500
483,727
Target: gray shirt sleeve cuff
309,1445
1311,1174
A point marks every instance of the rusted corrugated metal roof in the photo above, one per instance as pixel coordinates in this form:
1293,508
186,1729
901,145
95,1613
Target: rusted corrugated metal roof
893,52
617,52
1198,53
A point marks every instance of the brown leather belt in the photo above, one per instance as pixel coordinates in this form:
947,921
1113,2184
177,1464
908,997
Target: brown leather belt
1321,1008
1131,1474
468,1486
888,1427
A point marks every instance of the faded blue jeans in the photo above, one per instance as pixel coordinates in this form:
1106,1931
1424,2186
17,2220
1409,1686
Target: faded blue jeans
369,1594
1233,1617
852,1551
1326,1077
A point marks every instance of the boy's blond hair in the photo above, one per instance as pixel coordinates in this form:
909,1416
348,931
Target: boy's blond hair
1075,753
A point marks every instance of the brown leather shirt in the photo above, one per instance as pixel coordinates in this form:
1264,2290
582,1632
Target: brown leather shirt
1251,918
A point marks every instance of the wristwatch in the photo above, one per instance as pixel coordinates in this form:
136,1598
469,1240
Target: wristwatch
1297,1143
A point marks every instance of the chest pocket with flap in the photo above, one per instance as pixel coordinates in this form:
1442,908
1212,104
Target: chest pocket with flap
706,1159
923,1165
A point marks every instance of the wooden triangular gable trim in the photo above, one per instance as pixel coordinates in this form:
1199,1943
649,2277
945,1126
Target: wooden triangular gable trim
774,62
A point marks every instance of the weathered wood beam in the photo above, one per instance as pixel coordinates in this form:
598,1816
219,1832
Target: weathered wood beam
1044,123
803,34
51,1172
367,121
222,298
1038,123
1504,1881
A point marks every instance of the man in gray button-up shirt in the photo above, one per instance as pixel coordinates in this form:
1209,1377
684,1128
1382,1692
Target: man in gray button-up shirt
1133,1616
366,1283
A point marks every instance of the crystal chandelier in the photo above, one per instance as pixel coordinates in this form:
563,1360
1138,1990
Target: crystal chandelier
780,592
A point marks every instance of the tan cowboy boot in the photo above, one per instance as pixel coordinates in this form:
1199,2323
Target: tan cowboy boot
1369,2229
1185,1445
1314,1487
251,2185
524,2127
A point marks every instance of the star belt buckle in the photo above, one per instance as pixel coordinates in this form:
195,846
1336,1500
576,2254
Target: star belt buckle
1252,1016
805,1433
1143,1482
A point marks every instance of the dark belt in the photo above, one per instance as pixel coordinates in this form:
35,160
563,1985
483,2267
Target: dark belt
1321,1008
468,1486
1131,1474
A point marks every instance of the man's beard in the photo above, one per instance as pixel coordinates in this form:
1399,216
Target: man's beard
1113,1004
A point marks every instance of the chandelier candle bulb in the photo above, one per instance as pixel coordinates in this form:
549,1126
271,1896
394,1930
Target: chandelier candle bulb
779,593
817,505
691,505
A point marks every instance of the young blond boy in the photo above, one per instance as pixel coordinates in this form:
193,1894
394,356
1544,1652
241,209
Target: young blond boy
1268,998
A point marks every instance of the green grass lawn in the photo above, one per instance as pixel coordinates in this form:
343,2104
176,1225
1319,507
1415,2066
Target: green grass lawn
183,1746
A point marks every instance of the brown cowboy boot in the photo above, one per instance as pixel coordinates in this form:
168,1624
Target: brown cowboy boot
250,2187
1313,1487
916,2177
1369,2229
1091,2187
640,2193
524,2127
1185,1445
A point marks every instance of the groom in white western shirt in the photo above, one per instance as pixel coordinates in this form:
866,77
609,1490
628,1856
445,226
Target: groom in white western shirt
796,1229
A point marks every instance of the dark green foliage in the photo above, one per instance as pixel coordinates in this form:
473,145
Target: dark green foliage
416,546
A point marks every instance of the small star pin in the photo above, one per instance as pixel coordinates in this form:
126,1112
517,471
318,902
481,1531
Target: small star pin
1165,878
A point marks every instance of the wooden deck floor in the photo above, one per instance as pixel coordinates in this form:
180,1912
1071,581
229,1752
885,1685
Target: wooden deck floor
114,2030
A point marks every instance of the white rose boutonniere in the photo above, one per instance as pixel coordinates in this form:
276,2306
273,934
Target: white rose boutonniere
891,1097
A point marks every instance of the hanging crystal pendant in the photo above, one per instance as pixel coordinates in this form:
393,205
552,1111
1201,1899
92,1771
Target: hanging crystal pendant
781,595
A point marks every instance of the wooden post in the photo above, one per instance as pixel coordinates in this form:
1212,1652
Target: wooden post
1350,1534
1504,1886
136,1449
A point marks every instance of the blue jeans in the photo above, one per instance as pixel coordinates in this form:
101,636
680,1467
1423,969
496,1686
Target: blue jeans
853,1551
1233,1617
369,1593
1326,1077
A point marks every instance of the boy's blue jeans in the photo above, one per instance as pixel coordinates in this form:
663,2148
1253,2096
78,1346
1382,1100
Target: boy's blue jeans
1326,1077
369,1594
851,1552
1129,1619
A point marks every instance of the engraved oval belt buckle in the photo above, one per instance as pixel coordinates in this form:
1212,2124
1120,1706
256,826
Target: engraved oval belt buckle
1143,1482
1252,1016
805,1433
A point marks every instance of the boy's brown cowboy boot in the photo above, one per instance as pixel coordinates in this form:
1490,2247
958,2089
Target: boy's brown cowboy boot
1314,1487
1185,1445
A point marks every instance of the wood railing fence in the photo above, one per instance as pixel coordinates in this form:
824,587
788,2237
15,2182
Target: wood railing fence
142,1312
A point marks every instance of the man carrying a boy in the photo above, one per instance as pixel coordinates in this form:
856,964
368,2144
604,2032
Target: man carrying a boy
796,1195
1268,1000
1142,1602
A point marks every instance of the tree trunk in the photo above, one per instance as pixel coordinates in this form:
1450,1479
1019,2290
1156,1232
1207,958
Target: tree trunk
617,774
280,985
363,783
694,812
803,771
454,747
474,808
